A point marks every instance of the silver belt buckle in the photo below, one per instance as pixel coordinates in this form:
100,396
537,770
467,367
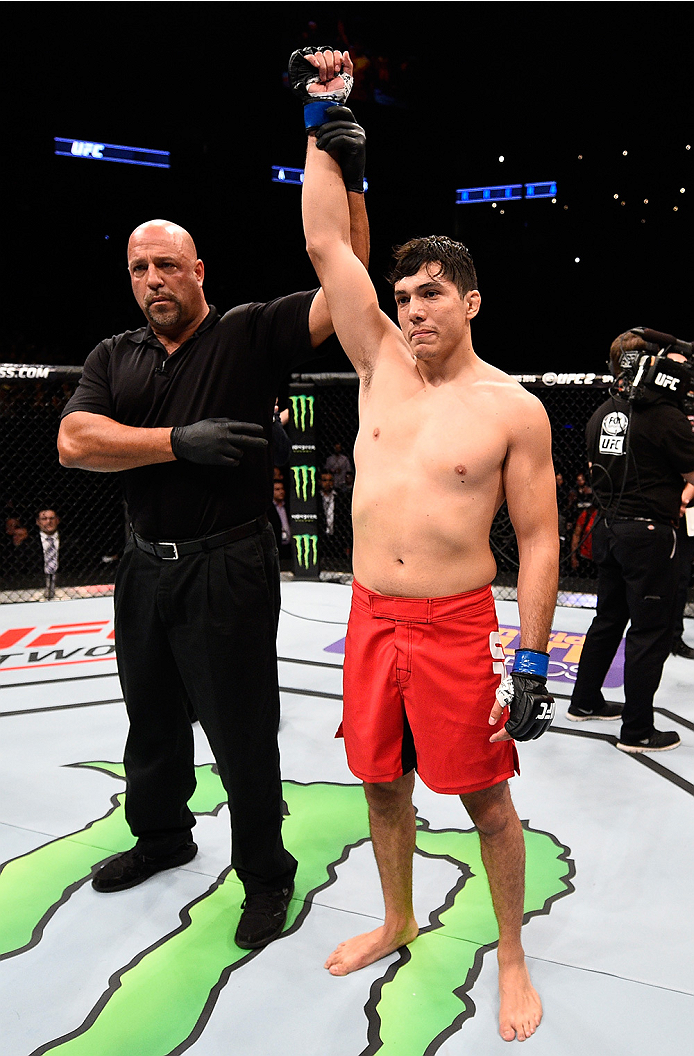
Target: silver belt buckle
174,555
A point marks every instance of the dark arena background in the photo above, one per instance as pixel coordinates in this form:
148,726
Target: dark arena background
560,155
555,140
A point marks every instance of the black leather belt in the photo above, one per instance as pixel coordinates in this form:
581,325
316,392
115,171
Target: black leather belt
172,551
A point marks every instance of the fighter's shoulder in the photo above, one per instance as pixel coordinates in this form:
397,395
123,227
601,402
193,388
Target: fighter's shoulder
502,386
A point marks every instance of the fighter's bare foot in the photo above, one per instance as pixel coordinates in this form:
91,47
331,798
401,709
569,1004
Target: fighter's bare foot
520,1009
364,949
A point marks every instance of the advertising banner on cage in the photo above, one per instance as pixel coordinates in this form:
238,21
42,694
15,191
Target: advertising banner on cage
303,480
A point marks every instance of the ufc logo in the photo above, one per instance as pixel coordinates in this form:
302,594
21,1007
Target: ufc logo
546,710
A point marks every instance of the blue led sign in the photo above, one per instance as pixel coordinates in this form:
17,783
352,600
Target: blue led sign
79,148
283,174
506,192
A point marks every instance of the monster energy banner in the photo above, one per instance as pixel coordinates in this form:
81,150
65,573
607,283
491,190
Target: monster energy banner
303,474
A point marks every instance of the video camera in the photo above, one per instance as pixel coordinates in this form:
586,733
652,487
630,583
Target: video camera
650,376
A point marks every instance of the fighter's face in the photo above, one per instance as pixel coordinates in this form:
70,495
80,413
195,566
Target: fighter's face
166,279
433,317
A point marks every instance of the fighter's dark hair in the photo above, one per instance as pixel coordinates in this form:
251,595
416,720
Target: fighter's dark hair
453,258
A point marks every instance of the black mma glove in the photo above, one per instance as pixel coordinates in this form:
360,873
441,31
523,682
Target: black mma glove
301,73
216,441
341,135
524,691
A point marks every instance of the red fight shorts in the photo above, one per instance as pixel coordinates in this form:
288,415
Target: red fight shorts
420,679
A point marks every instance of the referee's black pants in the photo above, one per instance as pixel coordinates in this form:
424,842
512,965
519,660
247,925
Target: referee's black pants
637,580
202,630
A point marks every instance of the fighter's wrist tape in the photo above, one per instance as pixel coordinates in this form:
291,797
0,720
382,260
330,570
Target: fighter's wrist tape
315,114
530,662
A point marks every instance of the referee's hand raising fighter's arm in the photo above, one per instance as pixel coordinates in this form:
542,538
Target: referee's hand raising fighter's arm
96,442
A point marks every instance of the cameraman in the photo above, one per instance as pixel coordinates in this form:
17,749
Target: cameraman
640,446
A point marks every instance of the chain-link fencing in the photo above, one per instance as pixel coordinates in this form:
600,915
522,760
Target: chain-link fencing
91,527
318,483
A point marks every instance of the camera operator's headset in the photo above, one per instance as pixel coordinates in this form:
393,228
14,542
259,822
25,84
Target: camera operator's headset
642,379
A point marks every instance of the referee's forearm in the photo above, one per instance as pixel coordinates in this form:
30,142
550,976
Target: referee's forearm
102,445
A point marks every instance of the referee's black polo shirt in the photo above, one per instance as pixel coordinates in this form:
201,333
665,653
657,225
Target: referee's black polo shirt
230,368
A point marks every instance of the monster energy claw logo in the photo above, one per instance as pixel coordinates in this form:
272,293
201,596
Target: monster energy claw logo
306,550
300,405
304,479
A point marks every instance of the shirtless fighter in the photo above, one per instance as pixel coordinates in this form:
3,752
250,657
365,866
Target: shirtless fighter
444,438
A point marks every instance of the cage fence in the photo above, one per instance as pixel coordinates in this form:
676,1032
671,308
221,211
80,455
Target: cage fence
91,528
318,484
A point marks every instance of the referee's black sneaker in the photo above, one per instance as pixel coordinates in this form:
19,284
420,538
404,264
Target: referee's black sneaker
603,711
659,741
132,868
263,917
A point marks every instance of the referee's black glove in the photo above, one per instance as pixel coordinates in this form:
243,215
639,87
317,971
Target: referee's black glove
342,136
216,441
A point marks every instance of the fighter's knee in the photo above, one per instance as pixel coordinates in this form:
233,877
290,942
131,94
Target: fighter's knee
385,797
491,809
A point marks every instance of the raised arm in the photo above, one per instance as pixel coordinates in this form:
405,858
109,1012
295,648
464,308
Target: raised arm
320,322
333,202
359,323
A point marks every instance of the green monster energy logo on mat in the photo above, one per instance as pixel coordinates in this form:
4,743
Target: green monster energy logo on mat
304,478
300,405
160,1000
306,550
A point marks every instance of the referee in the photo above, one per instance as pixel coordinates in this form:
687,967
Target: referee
182,410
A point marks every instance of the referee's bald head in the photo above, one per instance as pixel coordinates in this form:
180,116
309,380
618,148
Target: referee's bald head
164,231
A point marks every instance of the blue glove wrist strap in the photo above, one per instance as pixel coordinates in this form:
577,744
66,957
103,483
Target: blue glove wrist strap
315,113
530,662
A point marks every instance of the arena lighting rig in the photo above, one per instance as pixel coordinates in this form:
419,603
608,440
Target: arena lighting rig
503,193
79,148
285,174
506,192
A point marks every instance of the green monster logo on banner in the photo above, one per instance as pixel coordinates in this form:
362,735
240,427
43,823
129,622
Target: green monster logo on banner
306,550
300,405
304,482
161,1000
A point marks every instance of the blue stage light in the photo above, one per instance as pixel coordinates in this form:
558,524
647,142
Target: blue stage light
503,192
285,174
506,192
80,148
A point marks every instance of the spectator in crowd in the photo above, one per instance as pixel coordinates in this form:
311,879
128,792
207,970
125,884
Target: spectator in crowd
348,486
278,516
582,542
50,557
12,523
339,465
334,524
15,571
580,497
